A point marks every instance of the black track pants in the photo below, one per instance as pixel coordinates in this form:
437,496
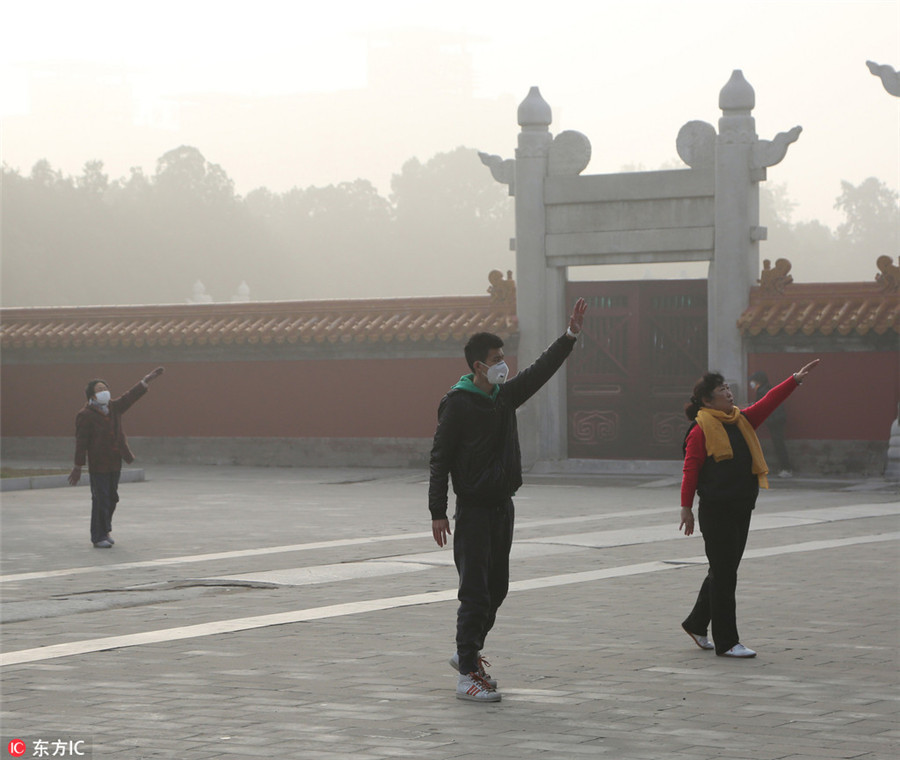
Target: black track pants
482,541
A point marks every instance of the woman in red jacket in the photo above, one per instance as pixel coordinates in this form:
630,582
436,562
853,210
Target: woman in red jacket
724,465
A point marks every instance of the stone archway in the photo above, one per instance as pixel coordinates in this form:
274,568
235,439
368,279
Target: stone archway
707,212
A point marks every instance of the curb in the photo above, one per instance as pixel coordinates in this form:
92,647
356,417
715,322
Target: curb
58,481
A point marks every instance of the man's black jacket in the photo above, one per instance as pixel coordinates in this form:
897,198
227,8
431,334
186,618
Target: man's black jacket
477,440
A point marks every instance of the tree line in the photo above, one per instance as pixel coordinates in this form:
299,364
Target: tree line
871,228
90,240
87,239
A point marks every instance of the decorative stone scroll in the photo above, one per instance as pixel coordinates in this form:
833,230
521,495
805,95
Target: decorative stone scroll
770,152
502,170
696,144
570,153
889,77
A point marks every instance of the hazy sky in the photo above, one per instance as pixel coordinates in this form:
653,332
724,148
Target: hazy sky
626,74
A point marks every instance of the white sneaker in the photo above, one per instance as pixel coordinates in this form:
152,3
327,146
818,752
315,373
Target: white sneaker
739,650
701,641
492,682
474,688
785,474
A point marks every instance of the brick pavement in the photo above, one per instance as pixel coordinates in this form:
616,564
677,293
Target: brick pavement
592,668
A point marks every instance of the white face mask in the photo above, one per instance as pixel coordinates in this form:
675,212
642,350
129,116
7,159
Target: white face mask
497,373
102,397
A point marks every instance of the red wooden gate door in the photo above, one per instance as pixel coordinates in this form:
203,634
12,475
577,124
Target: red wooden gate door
632,370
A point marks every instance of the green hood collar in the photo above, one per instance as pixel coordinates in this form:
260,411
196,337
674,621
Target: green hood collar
466,383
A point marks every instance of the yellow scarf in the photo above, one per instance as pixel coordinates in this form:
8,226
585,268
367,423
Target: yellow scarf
712,422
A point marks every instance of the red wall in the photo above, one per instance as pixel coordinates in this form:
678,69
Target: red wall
334,398
849,396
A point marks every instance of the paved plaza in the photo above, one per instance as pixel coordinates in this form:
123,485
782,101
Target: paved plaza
290,613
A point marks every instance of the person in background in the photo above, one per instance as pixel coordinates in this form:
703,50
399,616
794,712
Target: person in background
476,443
100,439
724,465
760,385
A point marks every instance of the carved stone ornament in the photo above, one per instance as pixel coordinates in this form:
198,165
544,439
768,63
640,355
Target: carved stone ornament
770,152
570,153
503,292
773,280
504,171
737,96
731,134
533,149
534,112
889,279
696,144
889,77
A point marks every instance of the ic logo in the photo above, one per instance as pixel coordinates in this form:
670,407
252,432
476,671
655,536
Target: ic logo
16,748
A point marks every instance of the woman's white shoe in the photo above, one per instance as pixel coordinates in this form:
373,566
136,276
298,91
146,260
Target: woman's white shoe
739,650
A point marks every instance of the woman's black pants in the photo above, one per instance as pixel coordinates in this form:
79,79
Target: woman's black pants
104,497
482,541
724,528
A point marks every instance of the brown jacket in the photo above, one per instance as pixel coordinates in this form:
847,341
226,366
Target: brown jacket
100,436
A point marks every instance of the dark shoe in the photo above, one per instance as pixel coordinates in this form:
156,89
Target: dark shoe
701,641
104,544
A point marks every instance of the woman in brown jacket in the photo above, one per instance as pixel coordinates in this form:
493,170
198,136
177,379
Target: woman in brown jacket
99,438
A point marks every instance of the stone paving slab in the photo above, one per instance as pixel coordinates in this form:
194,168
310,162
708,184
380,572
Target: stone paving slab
590,668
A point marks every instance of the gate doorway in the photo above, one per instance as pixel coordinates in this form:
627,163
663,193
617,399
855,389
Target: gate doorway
642,347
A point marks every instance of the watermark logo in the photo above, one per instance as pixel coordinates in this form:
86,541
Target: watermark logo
45,747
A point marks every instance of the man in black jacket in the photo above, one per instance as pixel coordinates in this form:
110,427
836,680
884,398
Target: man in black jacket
476,444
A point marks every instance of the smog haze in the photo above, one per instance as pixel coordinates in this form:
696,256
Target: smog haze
364,119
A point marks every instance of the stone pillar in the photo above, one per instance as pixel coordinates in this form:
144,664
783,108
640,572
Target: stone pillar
552,405
734,268
890,78
534,304
741,160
